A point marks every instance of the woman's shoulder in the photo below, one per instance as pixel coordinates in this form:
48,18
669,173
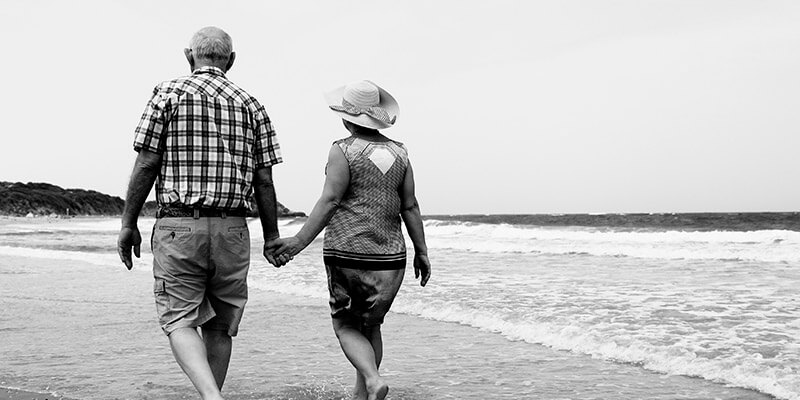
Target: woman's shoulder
355,144
344,143
343,140
349,146
354,139
400,147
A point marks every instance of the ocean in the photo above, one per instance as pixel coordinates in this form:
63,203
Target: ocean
651,306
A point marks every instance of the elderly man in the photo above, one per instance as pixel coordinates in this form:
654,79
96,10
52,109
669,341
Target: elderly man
207,145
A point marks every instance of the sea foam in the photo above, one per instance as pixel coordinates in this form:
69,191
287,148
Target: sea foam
764,245
743,370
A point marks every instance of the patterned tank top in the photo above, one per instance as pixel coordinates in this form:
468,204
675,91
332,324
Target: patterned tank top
365,232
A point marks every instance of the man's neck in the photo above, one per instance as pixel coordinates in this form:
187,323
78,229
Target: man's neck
201,64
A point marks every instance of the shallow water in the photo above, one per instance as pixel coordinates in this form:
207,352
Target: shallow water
491,324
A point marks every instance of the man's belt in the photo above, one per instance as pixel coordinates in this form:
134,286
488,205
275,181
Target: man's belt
176,211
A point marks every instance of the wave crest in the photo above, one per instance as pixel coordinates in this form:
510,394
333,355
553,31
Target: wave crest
764,245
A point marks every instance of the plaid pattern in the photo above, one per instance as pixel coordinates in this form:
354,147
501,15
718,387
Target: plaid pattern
366,227
212,136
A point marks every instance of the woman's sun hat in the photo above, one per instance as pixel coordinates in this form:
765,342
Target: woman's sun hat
364,103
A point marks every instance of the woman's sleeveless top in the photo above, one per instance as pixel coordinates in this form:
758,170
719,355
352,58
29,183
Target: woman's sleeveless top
365,232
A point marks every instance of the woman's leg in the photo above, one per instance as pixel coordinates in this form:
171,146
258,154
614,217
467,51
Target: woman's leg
360,352
373,334
360,391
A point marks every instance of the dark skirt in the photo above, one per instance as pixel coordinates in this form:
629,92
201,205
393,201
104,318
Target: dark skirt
362,295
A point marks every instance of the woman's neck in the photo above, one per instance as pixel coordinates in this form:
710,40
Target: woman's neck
360,130
365,133
372,136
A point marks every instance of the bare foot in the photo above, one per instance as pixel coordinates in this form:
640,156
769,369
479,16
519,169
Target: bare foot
359,390
377,390
359,394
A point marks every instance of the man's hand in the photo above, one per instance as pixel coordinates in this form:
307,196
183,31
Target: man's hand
129,237
283,250
422,265
277,260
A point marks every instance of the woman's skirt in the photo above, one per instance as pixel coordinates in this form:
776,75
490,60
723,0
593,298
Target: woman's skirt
363,296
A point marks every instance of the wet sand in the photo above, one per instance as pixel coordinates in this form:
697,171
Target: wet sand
14,394
86,329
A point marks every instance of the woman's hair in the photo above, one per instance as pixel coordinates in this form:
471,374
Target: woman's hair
355,128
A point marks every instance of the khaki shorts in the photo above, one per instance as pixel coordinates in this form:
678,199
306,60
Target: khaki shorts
200,268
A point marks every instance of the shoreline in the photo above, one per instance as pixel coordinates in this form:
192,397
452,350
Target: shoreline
286,348
19,394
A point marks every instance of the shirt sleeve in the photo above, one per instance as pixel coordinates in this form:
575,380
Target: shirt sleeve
267,151
150,132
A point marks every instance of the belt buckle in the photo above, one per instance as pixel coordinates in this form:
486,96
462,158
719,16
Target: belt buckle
196,213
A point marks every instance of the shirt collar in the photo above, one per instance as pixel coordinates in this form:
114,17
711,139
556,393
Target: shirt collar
209,70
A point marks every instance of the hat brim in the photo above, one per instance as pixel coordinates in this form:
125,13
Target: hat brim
387,102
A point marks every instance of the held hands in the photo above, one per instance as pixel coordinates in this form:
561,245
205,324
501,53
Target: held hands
129,237
422,266
280,251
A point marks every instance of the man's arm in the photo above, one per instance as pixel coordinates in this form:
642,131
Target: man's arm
145,171
264,193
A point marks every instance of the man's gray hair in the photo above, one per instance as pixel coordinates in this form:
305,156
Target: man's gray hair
211,43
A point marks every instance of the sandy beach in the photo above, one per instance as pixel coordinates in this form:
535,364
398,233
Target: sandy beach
78,325
14,394
104,343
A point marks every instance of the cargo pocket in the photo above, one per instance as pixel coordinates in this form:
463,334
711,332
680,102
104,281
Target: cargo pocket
153,235
162,299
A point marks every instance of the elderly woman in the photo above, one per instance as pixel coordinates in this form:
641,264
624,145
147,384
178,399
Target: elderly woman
369,186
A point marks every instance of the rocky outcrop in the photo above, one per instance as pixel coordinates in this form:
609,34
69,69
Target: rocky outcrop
36,198
45,199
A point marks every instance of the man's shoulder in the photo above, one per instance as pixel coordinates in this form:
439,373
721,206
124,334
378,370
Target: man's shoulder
236,91
178,84
215,86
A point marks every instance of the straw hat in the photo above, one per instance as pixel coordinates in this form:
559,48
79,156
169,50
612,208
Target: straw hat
364,103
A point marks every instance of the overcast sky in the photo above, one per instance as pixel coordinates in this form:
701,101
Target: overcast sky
506,106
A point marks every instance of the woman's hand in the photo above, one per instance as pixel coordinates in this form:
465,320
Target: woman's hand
422,266
270,253
283,250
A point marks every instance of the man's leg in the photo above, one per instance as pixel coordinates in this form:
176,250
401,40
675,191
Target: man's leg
226,290
358,349
190,352
218,349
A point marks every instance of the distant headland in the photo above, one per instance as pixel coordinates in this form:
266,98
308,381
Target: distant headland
45,199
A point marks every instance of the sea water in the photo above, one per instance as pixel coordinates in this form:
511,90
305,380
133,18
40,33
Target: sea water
722,305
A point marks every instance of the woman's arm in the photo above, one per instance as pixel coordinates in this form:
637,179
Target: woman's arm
413,221
337,179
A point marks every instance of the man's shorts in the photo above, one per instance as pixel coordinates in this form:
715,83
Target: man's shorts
200,268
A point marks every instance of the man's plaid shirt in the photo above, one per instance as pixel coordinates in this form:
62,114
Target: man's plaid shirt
212,136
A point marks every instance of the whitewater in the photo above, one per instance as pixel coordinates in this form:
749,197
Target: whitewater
718,305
